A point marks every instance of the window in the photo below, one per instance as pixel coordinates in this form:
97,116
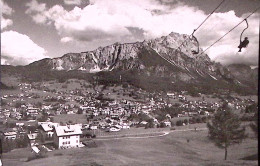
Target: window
68,142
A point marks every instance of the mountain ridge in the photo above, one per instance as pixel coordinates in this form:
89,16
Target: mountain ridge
158,58
130,57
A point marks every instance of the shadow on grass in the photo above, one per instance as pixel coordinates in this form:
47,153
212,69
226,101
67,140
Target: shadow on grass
251,157
90,144
90,164
35,157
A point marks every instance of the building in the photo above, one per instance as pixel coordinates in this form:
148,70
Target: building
32,138
32,111
10,135
67,136
167,123
47,129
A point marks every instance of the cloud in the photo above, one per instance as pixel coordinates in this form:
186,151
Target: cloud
34,7
105,22
66,39
37,11
73,2
7,11
19,49
5,23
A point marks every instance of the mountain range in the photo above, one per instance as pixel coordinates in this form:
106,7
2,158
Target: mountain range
169,57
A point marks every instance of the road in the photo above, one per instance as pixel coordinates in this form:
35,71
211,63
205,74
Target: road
145,135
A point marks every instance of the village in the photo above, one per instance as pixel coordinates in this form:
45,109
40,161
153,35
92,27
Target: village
37,125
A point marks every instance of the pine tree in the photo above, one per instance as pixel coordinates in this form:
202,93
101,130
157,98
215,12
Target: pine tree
254,125
225,129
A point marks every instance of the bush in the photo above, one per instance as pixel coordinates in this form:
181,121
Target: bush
95,164
192,120
150,124
162,125
3,103
80,111
22,142
179,123
38,156
91,144
58,154
246,117
204,119
198,119
125,85
251,108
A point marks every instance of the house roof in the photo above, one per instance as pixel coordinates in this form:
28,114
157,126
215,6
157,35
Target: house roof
68,130
48,126
10,133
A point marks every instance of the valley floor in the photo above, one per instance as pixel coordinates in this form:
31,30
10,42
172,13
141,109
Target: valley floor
169,150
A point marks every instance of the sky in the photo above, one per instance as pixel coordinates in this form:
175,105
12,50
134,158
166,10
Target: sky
35,29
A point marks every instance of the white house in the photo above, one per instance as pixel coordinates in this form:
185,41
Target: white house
32,138
32,111
125,126
67,136
167,123
10,135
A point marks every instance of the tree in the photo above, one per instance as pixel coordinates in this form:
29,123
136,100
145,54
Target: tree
254,125
22,142
150,124
251,108
5,146
39,104
3,103
80,111
185,121
43,118
162,125
18,105
226,129
40,138
179,123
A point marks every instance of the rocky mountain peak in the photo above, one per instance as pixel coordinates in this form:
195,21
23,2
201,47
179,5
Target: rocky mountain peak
159,55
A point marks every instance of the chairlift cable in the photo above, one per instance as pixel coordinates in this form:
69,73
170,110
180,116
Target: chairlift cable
202,23
210,14
225,6
230,30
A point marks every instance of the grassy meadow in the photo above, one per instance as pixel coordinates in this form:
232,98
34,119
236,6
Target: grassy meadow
183,148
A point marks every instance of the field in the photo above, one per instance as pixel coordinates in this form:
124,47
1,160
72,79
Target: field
172,149
74,118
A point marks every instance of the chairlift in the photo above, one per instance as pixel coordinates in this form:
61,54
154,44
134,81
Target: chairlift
245,42
198,48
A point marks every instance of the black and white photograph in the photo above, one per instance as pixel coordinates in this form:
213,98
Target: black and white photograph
129,82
